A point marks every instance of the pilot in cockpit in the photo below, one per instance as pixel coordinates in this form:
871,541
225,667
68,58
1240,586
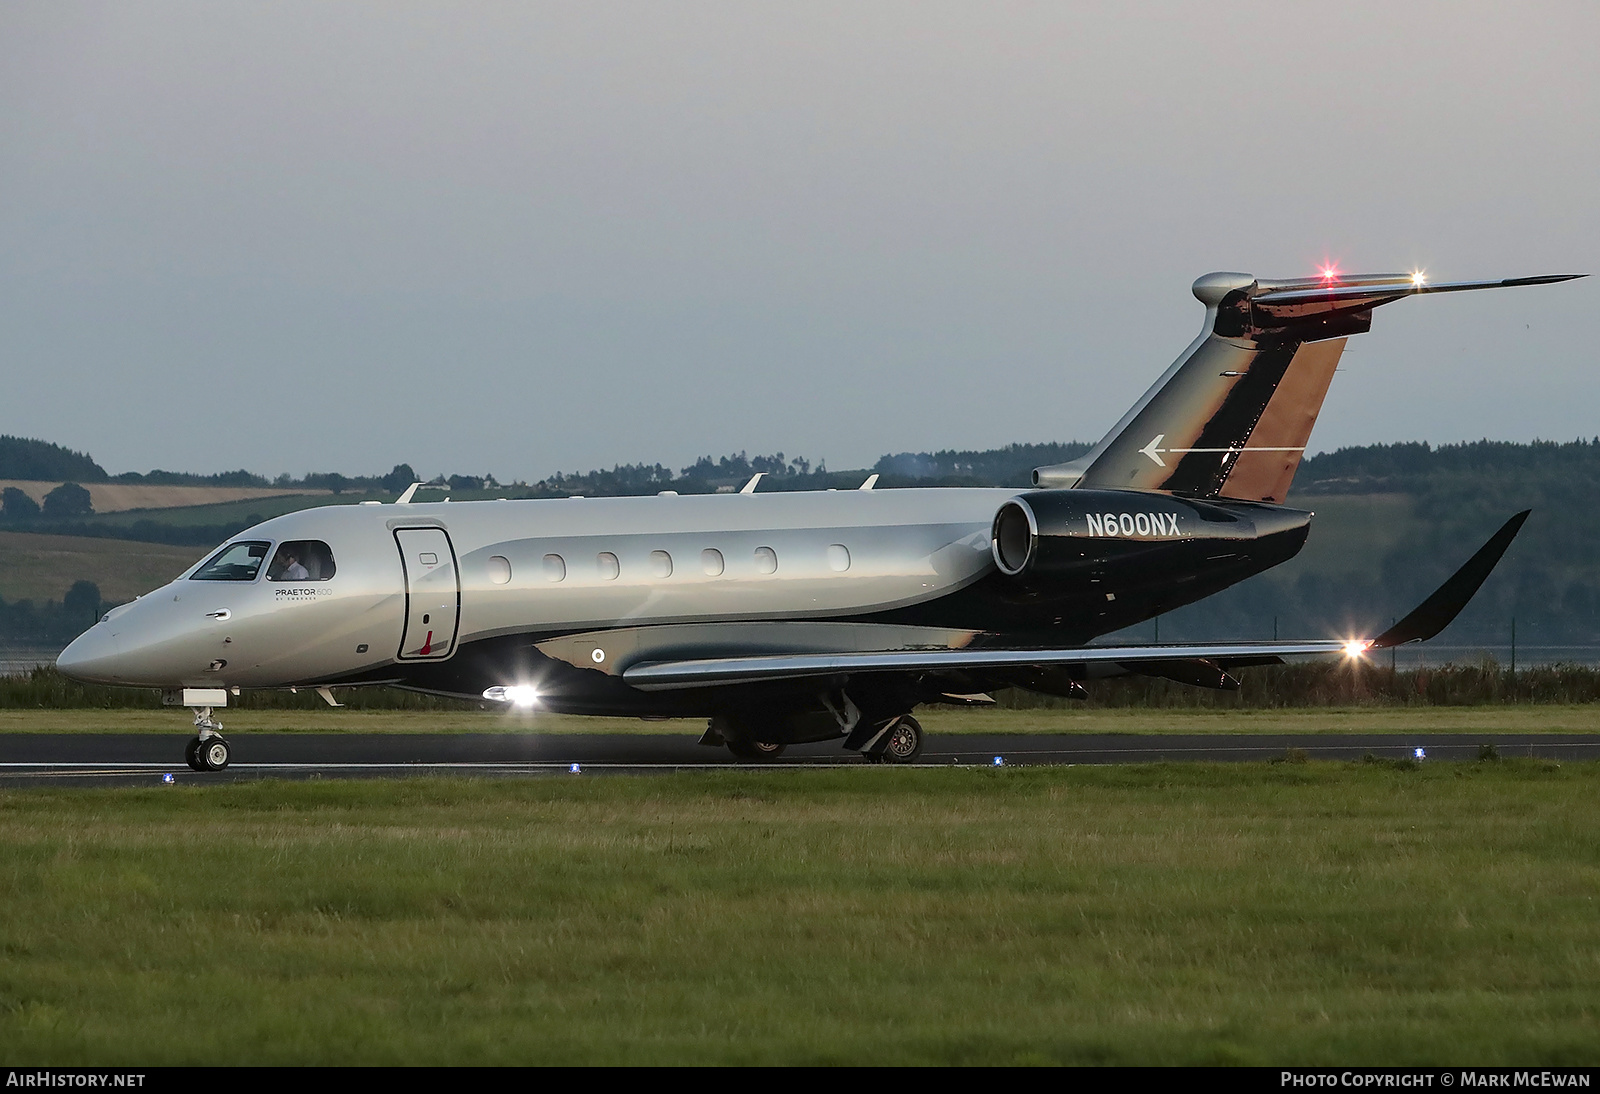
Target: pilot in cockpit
287,565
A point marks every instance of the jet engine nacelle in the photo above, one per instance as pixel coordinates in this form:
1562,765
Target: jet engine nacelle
1061,533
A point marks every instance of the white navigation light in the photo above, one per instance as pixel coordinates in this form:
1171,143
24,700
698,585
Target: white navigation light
518,695
1419,278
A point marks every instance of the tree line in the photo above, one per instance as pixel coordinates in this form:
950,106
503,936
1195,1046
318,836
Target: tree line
1548,587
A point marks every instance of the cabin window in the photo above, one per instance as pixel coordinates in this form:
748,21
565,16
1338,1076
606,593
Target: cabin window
766,560
711,562
555,568
301,560
838,557
607,564
235,562
499,569
661,563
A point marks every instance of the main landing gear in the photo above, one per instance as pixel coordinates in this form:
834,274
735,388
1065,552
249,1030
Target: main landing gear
207,751
741,739
755,750
899,743
893,740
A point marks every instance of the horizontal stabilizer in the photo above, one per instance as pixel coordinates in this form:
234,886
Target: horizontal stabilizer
1439,610
1370,292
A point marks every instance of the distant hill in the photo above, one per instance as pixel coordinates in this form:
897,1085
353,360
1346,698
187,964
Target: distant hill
1392,521
23,458
1412,467
1009,466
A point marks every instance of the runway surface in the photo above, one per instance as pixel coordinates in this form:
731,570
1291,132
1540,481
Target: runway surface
34,759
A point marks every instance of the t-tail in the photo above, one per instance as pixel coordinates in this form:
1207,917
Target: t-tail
1232,416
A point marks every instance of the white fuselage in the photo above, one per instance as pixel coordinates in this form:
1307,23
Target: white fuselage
539,568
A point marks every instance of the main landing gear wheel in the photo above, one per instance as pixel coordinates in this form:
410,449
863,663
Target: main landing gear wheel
213,753
755,750
191,754
902,743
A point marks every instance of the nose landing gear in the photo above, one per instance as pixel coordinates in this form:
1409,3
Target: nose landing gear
208,751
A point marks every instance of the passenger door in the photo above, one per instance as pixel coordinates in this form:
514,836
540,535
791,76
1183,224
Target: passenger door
433,594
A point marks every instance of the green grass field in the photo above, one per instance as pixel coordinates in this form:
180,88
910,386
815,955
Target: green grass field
1520,718
40,567
231,512
1249,913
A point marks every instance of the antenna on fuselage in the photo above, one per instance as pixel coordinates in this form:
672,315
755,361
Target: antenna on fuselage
405,499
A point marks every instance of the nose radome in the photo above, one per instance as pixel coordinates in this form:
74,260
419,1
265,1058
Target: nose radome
91,657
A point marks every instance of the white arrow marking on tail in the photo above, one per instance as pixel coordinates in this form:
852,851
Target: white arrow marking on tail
1153,452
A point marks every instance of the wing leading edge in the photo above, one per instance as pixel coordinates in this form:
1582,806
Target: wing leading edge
1423,623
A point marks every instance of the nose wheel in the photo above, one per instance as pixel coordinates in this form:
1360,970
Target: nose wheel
210,754
208,751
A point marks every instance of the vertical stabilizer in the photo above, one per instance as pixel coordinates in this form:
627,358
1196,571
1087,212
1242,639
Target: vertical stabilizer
1232,416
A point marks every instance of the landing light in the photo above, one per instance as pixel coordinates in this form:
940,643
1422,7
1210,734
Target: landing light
1356,647
1419,278
518,695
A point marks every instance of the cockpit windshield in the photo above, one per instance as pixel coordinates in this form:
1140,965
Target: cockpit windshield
235,562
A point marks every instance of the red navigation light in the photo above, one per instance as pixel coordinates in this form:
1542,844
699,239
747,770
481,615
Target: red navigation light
1330,272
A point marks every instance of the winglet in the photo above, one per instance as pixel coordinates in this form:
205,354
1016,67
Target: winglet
1439,610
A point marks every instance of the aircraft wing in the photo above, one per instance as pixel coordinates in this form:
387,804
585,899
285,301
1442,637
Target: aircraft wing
667,675
1423,623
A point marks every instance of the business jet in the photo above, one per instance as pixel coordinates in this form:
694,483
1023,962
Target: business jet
797,617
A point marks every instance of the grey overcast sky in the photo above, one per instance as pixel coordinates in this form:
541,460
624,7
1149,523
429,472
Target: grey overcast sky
522,238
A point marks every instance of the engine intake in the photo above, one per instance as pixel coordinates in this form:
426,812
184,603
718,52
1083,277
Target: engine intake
1049,532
